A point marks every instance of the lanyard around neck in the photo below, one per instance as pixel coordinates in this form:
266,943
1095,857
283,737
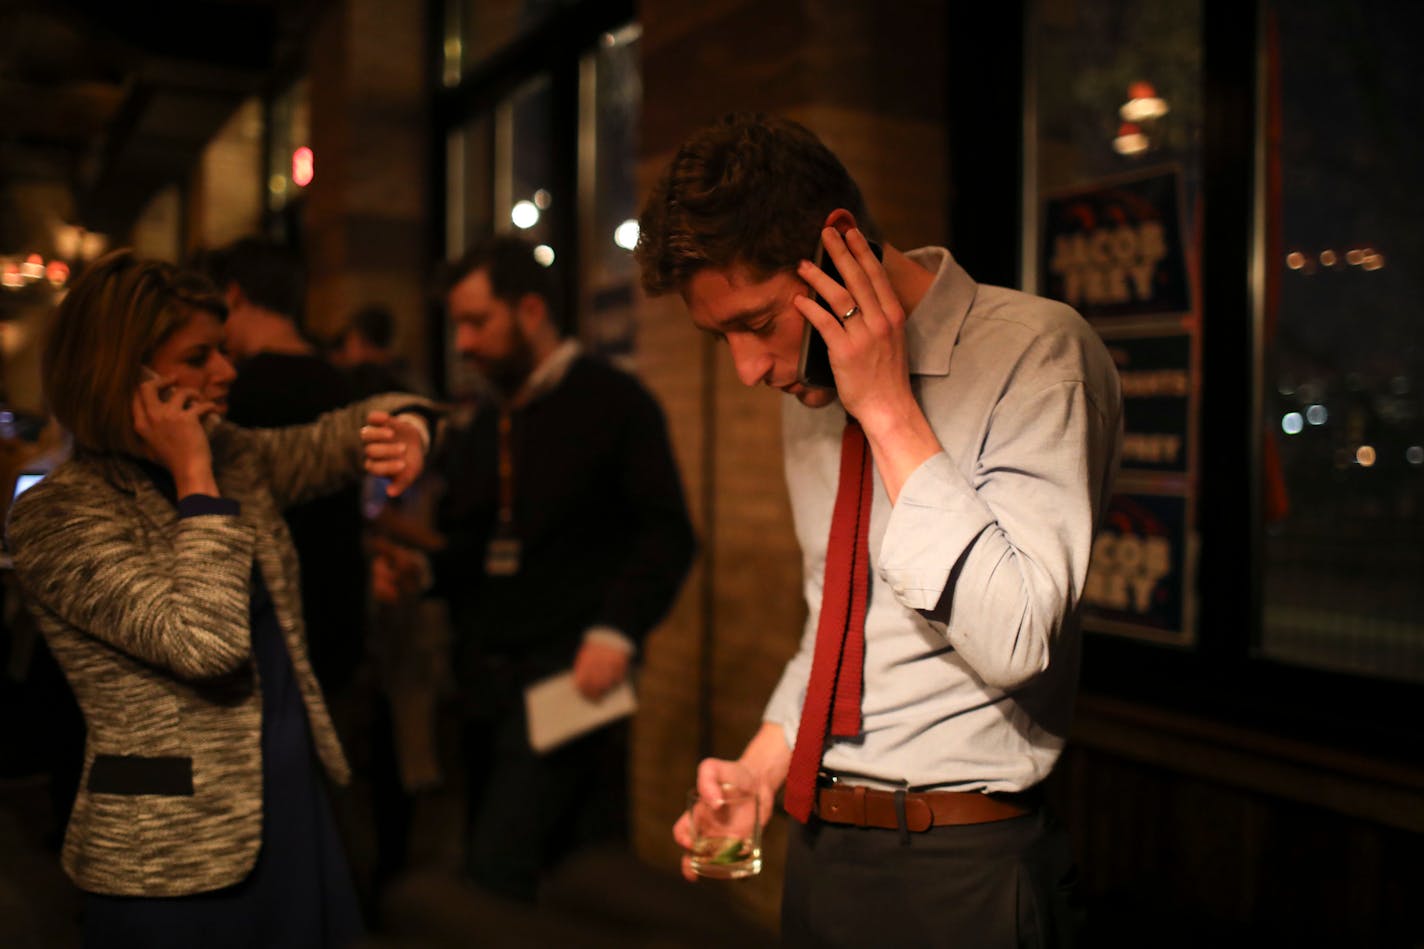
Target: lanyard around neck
505,467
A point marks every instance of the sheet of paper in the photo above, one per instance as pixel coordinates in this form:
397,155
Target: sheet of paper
557,711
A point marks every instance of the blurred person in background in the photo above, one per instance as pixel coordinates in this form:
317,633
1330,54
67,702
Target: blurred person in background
156,564
945,484
284,380
365,350
32,687
567,539
410,653
409,642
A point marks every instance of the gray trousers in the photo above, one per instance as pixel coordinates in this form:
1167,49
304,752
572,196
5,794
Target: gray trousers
1001,885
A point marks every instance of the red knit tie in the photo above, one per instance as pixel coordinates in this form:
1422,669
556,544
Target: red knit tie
837,668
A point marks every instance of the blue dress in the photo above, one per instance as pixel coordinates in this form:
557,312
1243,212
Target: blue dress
300,894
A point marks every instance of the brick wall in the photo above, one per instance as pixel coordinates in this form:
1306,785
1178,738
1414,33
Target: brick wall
366,216
226,190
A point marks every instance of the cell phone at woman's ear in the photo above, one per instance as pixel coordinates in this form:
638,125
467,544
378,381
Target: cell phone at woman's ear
814,366
209,421
150,376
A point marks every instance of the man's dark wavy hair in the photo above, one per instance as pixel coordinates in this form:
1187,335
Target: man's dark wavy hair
752,190
269,274
513,271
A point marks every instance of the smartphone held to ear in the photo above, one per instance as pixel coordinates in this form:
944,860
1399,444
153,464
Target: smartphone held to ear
814,367
150,376
210,421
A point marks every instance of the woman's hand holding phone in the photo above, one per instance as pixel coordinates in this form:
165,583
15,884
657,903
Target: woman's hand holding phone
168,420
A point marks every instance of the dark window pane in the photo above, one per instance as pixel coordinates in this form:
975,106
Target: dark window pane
1114,172
606,317
477,29
1344,369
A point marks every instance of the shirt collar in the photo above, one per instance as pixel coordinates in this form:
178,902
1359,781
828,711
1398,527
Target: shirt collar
549,373
933,326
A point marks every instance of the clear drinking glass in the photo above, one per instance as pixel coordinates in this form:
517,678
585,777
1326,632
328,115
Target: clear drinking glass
726,837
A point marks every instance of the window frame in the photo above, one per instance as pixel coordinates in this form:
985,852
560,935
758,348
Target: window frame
1220,677
555,48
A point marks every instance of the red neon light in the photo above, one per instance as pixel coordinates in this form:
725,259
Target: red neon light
303,167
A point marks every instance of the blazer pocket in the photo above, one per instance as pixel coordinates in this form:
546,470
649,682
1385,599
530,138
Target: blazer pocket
169,775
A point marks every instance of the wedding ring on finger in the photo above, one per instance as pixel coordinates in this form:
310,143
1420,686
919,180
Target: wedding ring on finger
855,308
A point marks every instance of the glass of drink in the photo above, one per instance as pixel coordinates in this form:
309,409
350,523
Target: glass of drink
726,836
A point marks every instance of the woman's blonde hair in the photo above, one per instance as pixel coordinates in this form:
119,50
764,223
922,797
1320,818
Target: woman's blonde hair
115,316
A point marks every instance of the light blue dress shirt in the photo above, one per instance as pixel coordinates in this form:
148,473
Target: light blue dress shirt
972,641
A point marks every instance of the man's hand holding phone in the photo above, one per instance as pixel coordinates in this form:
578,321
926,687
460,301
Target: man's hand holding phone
169,421
860,319
863,324
814,366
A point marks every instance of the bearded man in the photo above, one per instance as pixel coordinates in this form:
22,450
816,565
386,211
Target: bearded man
567,540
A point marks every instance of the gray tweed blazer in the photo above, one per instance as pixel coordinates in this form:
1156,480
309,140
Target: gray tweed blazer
148,616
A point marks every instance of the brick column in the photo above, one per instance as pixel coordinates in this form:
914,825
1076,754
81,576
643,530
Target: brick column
365,217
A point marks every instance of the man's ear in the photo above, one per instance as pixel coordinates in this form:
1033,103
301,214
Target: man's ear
532,312
841,219
233,294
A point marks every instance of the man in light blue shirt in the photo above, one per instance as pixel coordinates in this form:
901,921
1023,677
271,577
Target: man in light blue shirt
993,419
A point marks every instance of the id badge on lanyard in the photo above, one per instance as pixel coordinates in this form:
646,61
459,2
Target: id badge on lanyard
502,553
502,556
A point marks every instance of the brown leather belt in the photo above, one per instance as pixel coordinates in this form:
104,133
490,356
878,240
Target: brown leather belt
861,806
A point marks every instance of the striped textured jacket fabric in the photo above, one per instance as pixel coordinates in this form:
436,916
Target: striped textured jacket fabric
148,614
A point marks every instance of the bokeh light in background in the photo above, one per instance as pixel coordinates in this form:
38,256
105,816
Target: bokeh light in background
303,167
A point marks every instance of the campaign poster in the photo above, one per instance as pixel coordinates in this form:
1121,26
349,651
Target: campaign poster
1139,581
1115,248
1157,402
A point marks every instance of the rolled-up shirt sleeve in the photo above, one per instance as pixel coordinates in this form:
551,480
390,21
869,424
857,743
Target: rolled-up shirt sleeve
998,560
